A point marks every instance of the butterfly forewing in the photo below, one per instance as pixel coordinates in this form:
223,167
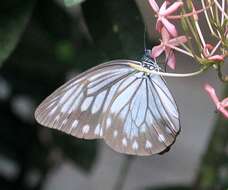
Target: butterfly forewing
135,113
78,106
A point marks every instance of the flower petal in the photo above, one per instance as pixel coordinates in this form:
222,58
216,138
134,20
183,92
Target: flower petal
206,50
163,8
224,102
211,92
171,59
209,46
178,40
157,50
165,35
216,58
159,25
154,5
220,105
174,7
169,26
223,111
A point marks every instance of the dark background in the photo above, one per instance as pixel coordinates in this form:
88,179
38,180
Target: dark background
42,44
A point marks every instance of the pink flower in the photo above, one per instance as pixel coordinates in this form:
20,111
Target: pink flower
220,105
225,102
167,45
216,58
206,53
163,13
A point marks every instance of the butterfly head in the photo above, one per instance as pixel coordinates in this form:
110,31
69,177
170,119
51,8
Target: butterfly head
148,62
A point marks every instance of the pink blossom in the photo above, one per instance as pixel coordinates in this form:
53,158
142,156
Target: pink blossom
225,102
206,53
216,58
163,13
220,105
167,44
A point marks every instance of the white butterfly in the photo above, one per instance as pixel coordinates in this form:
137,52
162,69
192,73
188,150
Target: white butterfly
133,111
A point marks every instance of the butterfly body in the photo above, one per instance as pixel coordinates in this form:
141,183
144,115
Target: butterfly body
133,111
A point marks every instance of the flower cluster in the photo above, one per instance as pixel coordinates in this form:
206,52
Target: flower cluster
170,38
209,54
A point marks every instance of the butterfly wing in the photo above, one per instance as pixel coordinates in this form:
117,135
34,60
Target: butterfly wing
78,107
143,118
134,113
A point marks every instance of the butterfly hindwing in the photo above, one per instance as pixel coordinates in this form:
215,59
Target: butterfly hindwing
134,112
137,122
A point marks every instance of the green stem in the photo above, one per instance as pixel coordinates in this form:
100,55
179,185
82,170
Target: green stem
143,69
223,78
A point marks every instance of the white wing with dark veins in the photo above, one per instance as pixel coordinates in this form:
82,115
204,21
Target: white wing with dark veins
143,118
135,113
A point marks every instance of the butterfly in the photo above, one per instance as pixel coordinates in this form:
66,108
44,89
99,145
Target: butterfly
132,110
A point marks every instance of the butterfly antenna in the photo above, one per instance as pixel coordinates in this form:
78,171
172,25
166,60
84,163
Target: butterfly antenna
144,39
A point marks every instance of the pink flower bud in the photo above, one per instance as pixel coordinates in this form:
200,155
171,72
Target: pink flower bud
221,106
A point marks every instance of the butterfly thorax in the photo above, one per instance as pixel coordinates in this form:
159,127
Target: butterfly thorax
147,61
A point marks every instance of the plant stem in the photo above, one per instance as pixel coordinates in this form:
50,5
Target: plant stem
143,69
223,78
119,185
207,18
220,8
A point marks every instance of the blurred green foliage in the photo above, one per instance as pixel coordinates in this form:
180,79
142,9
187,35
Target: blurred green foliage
72,2
170,188
14,16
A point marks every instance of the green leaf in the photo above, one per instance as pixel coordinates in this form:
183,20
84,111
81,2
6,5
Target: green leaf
13,19
70,3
